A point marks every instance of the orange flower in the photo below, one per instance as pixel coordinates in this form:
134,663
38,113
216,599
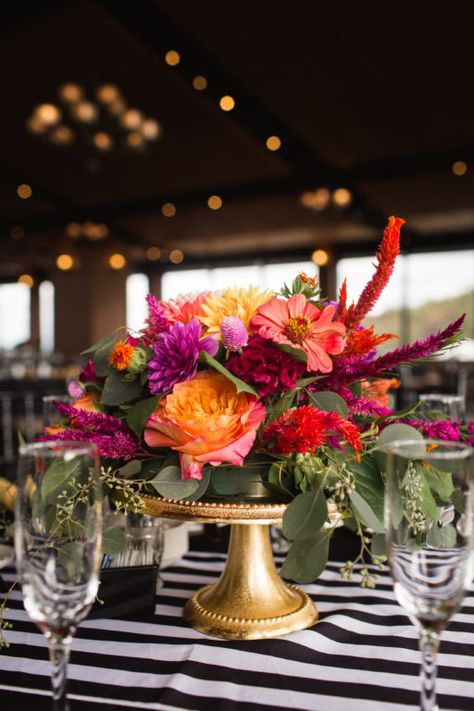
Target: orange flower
184,308
299,324
205,420
376,390
121,355
360,342
89,402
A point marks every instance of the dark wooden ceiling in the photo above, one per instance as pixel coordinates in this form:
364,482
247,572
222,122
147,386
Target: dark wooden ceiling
375,97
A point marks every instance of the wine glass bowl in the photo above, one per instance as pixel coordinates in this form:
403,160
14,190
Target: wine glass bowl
58,525
429,530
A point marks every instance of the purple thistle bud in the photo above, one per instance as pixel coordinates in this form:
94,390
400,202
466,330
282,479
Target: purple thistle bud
234,333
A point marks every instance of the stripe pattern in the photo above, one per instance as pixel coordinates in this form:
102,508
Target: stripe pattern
362,653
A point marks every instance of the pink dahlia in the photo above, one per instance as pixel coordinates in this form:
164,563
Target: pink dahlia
266,367
296,322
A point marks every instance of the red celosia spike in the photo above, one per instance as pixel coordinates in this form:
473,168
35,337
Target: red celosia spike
386,255
341,306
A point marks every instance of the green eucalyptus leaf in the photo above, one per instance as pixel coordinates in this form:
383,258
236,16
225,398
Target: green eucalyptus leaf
169,485
117,390
364,512
37,504
295,353
56,477
400,432
71,558
282,405
440,482
113,541
369,484
241,385
131,468
304,382
378,545
329,402
458,499
202,485
426,501
307,558
305,515
442,536
138,414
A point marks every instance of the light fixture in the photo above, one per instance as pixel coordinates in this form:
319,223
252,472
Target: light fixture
227,103
215,202
24,191
168,209
316,199
459,168
153,254
176,256
172,58
26,279
105,124
199,82
273,143
342,197
74,230
65,262
92,231
117,261
320,257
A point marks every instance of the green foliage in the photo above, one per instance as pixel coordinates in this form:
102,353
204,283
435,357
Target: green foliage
305,515
369,484
440,482
56,477
169,485
307,558
113,541
138,414
104,342
329,402
441,536
365,514
242,387
130,469
117,390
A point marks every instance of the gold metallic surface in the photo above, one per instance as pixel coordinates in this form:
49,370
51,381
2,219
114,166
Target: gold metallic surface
250,600
212,512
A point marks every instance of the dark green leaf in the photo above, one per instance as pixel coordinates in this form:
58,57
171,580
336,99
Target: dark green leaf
307,558
441,483
56,477
113,541
106,341
305,515
304,382
356,389
364,513
131,468
441,536
401,432
459,500
295,353
138,414
426,502
369,483
71,558
202,485
117,390
168,483
329,402
378,545
241,385
282,405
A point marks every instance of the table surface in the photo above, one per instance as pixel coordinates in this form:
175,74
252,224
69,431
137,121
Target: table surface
362,649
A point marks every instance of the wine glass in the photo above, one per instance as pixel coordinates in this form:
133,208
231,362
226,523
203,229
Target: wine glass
429,539
58,535
443,405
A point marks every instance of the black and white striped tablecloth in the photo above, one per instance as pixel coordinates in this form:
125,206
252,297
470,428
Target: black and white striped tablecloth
362,654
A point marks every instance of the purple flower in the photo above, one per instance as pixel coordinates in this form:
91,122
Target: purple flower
447,430
176,355
362,405
470,433
234,333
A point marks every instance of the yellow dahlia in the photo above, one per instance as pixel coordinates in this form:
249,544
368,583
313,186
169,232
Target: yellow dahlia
233,301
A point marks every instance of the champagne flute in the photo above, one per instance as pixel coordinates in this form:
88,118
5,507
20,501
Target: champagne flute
443,405
58,535
430,556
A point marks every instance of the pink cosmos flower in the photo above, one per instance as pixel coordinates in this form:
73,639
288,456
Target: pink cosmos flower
296,322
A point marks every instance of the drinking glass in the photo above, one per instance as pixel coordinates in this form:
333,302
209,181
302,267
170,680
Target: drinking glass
431,563
58,535
443,405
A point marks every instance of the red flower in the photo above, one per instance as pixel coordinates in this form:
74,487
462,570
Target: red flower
307,428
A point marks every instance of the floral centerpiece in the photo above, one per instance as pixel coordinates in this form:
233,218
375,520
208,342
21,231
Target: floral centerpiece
286,383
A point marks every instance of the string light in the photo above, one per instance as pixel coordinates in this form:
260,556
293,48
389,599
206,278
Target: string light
151,129
117,261
26,279
227,103
132,119
199,82
316,199
74,230
62,135
24,191
47,114
459,168
64,262
172,58
71,93
107,93
153,253
320,257
342,197
85,112
215,202
168,209
273,143
176,256
102,141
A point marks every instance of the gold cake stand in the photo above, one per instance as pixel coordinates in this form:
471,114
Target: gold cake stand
250,600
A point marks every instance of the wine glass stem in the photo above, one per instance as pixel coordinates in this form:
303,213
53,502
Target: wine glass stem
429,645
59,651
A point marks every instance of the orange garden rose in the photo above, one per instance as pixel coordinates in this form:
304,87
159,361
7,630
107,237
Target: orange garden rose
206,421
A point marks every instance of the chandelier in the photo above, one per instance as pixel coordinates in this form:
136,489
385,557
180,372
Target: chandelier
104,125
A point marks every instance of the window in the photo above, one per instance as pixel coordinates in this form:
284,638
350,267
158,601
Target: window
15,320
138,286
46,316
